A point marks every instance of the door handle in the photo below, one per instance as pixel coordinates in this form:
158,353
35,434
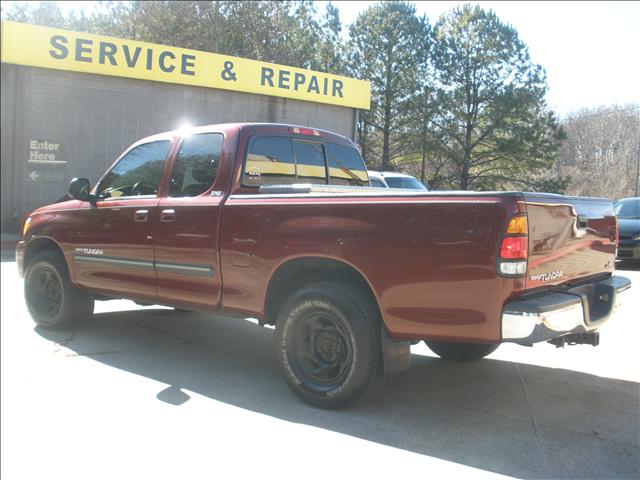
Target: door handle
168,215
141,216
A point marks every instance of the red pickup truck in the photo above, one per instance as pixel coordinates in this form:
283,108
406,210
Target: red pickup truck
279,223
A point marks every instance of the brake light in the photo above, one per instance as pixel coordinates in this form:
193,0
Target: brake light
514,248
305,131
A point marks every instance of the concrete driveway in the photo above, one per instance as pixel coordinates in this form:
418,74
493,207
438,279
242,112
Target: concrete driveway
153,393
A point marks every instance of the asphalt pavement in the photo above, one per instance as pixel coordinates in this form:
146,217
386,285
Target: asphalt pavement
149,392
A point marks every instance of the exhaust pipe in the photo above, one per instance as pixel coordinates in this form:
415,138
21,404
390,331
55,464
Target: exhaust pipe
591,338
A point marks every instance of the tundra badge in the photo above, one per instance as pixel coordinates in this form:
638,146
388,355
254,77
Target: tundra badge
545,277
90,251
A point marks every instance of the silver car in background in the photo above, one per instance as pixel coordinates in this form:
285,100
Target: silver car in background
395,180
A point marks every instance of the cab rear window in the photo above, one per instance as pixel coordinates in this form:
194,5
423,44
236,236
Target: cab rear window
284,160
310,163
269,162
346,166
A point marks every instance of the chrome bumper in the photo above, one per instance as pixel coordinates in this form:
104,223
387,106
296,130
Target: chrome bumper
573,310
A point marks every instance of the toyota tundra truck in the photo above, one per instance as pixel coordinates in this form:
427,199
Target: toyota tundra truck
279,223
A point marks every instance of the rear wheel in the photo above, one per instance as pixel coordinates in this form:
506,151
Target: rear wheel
52,300
328,345
462,352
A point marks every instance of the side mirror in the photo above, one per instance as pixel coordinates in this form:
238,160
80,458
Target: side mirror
79,189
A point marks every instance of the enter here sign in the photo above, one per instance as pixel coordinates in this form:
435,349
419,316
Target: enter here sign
45,47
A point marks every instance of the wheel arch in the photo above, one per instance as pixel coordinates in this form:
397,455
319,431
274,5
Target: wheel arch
40,244
299,271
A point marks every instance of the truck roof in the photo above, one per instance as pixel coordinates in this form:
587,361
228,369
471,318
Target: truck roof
260,127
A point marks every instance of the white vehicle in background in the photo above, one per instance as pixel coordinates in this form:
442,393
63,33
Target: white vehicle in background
394,180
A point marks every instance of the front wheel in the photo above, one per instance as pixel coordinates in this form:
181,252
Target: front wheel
328,344
461,352
52,300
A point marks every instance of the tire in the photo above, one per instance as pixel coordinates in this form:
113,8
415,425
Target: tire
328,345
462,352
52,300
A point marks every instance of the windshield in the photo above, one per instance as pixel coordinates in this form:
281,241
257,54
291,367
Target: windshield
404,182
628,208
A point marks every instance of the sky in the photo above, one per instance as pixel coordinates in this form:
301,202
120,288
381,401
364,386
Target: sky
588,49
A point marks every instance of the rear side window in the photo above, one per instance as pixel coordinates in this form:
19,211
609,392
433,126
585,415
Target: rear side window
137,173
269,162
404,182
310,166
346,166
196,165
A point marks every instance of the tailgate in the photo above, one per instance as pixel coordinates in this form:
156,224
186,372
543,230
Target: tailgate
569,238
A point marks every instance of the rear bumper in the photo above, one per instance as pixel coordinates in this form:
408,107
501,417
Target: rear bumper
572,310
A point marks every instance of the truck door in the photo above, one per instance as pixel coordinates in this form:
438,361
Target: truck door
186,255
113,250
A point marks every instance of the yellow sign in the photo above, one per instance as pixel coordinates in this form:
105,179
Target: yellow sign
44,47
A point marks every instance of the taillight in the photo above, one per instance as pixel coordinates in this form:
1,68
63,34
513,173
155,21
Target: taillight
305,131
518,225
514,247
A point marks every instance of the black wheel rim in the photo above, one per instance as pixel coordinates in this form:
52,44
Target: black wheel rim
322,351
45,293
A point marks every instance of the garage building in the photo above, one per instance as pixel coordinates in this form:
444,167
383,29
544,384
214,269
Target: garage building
72,102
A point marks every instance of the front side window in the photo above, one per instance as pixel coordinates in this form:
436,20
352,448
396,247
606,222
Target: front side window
196,165
346,166
269,162
137,173
310,167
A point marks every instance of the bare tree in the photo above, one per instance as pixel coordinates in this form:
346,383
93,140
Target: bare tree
600,153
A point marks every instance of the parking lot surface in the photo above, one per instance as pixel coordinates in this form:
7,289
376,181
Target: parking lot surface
156,393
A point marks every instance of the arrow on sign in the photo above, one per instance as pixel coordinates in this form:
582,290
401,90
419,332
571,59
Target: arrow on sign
34,176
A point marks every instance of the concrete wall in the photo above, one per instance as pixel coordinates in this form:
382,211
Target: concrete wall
96,117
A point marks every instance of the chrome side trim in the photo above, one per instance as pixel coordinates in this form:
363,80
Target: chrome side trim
184,269
115,261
